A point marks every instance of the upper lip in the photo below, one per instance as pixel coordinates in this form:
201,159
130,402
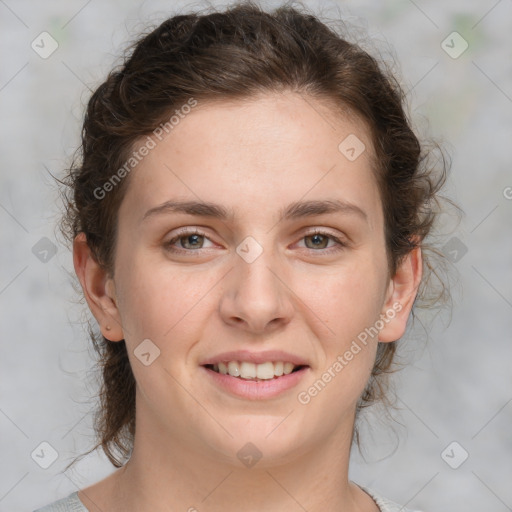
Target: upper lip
256,357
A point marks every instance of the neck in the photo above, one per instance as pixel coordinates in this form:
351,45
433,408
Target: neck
164,475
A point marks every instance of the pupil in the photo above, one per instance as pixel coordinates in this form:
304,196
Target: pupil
194,237
317,238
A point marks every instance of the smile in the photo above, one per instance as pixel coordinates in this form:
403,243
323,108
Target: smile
251,371
255,381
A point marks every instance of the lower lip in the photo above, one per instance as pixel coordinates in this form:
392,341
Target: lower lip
256,390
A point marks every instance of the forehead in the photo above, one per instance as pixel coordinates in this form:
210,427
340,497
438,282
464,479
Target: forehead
267,150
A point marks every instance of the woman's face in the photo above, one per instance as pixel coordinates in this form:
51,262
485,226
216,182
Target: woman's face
255,286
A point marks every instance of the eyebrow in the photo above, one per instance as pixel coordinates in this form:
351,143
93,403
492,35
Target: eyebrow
296,210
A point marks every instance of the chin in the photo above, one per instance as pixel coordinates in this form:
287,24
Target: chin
261,441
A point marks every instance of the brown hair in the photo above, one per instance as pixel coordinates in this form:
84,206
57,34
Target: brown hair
237,54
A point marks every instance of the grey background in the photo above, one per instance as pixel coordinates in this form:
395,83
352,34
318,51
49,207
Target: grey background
458,385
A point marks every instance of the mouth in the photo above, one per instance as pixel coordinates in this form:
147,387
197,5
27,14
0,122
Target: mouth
255,381
248,371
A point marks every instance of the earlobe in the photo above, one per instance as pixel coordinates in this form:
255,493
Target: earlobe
402,291
98,288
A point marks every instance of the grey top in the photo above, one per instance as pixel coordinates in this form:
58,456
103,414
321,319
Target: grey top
72,503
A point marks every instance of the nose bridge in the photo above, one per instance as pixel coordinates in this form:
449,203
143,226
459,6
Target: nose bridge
255,276
255,294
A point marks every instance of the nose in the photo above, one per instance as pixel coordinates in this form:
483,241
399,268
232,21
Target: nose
256,297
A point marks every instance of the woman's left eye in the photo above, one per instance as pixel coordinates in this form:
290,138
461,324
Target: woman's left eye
319,239
193,240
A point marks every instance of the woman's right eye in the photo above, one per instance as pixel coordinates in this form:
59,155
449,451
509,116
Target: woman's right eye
191,238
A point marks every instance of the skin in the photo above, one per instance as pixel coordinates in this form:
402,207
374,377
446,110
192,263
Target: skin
255,157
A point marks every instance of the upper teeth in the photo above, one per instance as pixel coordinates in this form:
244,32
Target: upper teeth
248,370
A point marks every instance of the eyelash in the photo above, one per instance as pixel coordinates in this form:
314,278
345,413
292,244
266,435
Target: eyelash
186,232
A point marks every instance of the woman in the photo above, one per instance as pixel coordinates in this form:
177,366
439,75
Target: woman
247,216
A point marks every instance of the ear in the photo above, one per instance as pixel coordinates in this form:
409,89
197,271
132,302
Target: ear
400,296
99,289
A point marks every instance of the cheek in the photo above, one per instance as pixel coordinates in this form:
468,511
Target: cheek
349,303
350,307
348,300
159,301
